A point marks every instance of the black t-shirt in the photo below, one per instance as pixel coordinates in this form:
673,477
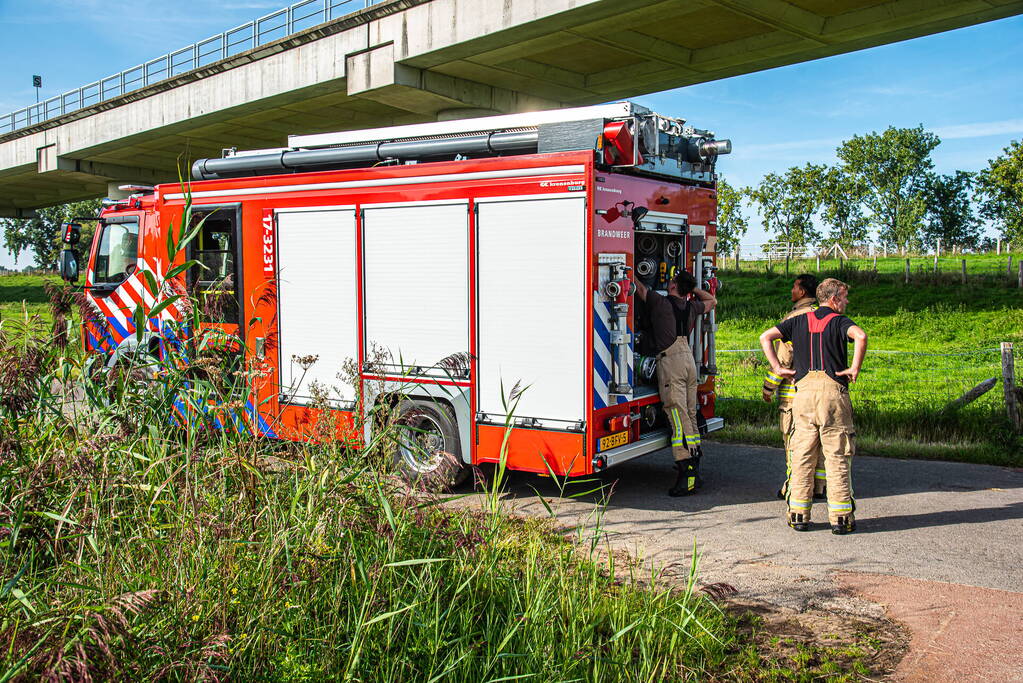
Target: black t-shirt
832,355
670,317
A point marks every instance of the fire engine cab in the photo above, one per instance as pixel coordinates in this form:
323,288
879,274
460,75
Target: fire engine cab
450,262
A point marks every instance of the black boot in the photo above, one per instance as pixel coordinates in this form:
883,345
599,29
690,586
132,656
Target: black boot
688,478
846,525
823,495
799,522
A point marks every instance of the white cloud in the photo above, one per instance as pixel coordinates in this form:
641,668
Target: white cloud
980,130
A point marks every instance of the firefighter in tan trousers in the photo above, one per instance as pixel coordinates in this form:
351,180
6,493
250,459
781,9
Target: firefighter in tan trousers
804,289
821,410
671,319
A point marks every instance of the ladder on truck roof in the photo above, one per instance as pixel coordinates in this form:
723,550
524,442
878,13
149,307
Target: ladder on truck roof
626,132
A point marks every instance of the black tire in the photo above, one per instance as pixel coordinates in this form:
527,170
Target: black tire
428,452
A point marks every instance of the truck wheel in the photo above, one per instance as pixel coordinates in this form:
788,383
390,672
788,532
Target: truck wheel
428,451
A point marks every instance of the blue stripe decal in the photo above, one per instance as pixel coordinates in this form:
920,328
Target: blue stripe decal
117,327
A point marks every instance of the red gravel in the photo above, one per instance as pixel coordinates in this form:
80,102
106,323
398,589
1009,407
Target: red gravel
959,633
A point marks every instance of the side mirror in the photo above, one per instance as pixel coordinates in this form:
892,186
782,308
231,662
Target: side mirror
70,233
68,265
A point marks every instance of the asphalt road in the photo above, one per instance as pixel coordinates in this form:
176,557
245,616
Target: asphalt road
935,521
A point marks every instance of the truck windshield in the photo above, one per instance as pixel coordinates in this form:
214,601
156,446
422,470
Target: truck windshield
118,252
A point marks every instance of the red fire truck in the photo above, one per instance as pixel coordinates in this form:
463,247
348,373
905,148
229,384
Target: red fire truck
505,243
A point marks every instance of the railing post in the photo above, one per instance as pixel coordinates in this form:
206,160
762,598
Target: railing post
1009,386
223,44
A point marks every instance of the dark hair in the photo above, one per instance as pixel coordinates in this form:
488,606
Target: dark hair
808,283
685,282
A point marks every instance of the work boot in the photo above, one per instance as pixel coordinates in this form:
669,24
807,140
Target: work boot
846,525
799,521
688,478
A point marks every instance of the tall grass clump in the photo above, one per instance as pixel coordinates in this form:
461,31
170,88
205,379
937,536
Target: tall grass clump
149,533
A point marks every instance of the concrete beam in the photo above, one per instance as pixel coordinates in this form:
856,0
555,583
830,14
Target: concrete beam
375,75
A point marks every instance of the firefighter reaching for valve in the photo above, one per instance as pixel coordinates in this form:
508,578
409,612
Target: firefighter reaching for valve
821,411
671,319
804,289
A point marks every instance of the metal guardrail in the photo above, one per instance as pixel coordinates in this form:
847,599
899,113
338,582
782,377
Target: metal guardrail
274,26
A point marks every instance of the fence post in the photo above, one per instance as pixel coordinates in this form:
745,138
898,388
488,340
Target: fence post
907,271
937,251
1008,268
1009,385
737,249
999,247
875,262
819,263
1019,277
964,271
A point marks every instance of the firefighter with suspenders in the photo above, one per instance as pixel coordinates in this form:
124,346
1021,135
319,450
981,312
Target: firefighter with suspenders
822,411
804,289
671,320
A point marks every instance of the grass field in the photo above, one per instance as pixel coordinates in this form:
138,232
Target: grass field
944,338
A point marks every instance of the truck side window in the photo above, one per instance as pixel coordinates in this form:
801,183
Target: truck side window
118,253
215,283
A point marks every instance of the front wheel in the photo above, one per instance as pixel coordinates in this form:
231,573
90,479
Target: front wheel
429,452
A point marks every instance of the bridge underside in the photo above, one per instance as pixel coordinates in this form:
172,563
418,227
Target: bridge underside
409,61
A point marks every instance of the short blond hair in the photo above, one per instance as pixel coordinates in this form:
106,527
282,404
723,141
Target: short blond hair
828,289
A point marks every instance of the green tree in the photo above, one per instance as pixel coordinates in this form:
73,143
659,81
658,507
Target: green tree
41,235
787,205
732,223
1000,191
841,210
893,167
950,215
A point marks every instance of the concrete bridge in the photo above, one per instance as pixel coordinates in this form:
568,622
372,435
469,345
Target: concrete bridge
408,61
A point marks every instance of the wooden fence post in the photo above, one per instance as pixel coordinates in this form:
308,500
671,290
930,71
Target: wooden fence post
1009,385
819,263
907,271
1008,268
737,250
964,271
1019,277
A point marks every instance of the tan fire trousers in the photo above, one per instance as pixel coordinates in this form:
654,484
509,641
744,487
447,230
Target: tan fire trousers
677,380
822,413
788,426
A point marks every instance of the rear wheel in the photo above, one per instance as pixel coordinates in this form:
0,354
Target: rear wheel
428,449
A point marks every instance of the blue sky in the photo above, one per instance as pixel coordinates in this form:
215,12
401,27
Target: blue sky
965,85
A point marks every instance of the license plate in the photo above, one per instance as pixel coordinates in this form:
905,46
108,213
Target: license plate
613,440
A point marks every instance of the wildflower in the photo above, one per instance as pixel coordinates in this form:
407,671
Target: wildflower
195,617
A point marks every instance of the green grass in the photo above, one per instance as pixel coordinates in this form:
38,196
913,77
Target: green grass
24,294
950,333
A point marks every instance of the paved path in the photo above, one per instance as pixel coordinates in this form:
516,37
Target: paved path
918,521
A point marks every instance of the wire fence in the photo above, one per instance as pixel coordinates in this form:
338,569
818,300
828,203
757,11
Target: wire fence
769,257
274,26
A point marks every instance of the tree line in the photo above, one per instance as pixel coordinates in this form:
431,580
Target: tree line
885,182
